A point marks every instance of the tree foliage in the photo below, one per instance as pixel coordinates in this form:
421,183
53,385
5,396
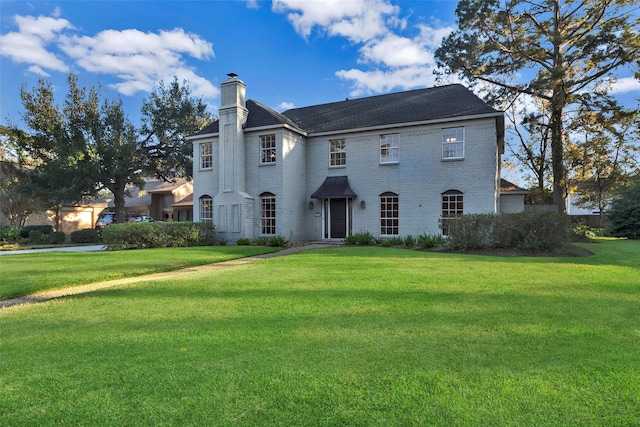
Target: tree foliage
17,200
554,50
624,214
86,145
57,147
170,114
602,151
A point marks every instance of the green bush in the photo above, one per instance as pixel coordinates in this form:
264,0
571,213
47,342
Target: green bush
624,213
87,235
393,241
262,241
207,233
526,231
135,235
43,229
57,237
35,237
409,241
244,242
428,241
9,234
277,241
363,238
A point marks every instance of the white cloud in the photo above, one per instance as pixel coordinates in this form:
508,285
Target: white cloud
35,69
390,59
29,44
396,51
625,85
378,81
137,59
284,106
357,20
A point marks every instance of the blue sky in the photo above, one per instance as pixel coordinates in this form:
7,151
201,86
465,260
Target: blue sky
290,53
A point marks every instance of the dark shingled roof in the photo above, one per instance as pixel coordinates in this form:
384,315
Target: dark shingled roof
401,107
412,106
259,116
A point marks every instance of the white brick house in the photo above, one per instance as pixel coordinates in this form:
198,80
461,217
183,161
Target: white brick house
391,164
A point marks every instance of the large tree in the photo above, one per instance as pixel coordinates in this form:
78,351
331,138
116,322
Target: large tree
602,151
57,146
89,145
17,199
170,114
557,51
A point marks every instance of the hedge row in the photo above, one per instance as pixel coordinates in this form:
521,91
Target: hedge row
157,235
526,231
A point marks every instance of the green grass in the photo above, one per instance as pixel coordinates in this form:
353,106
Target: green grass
24,274
339,336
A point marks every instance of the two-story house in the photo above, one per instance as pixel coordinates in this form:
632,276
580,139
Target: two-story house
392,165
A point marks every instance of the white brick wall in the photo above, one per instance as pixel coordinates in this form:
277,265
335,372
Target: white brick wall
419,179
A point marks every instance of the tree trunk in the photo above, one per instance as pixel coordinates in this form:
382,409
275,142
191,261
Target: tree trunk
557,161
118,201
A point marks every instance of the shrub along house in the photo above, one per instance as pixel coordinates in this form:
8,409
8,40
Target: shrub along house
394,164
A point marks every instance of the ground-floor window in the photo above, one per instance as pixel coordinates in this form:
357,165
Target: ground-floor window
268,214
452,208
389,214
206,209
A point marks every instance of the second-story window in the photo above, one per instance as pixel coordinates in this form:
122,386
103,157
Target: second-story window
453,143
337,152
206,155
267,149
389,148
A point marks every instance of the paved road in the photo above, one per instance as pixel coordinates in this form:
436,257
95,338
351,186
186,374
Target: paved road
92,248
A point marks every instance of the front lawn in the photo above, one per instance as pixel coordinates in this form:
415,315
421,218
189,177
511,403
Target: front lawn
355,336
24,274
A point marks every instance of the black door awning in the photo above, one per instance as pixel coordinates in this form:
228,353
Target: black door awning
334,187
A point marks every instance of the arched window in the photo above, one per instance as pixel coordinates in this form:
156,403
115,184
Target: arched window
452,208
268,214
389,213
206,209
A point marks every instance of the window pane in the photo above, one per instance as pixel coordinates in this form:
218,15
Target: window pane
268,213
337,152
453,143
389,214
268,149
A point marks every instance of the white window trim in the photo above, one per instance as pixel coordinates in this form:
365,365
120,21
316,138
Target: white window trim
209,209
203,156
339,150
392,142
386,198
447,139
268,154
271,198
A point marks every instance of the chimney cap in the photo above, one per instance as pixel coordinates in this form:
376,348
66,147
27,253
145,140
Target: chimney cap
232,75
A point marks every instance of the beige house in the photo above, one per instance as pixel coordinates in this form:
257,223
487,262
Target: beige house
163,201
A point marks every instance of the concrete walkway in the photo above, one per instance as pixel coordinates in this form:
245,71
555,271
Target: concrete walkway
76,290
91,248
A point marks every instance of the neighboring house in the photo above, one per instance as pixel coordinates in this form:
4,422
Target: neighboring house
392,165
511,197
163,201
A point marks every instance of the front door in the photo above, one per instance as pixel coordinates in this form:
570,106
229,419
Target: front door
338,223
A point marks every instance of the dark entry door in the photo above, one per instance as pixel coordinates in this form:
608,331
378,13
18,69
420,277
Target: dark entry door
338,211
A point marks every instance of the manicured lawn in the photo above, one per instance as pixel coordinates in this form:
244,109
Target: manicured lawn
24,274
339,336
